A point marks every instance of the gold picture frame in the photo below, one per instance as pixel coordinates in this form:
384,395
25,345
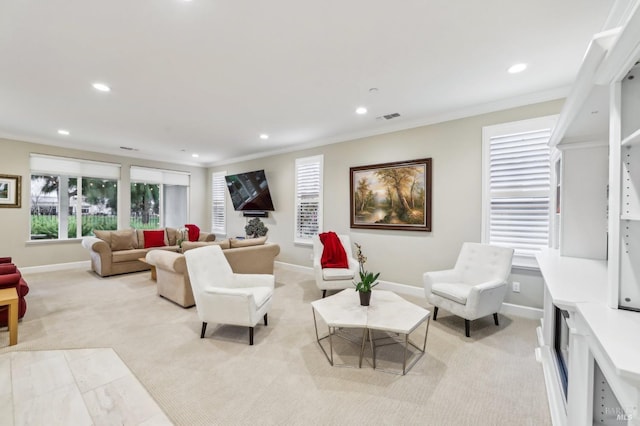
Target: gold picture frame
10,191
392,196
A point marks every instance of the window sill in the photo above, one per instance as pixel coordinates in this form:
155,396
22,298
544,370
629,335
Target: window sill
45,242
525,263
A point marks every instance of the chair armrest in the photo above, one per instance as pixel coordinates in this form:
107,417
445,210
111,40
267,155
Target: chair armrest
167,260
96,244
443,276
224,291
205,236
8,268
10,280
353,264
486,298
253,280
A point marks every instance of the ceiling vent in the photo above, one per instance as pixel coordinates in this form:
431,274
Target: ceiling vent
389,116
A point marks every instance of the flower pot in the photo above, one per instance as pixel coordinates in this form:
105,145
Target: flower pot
365,297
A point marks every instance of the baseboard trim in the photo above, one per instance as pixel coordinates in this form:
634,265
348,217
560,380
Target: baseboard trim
293,267
407,290
56,267
521,311
414,291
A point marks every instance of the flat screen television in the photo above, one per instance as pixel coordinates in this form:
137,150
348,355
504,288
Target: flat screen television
249,191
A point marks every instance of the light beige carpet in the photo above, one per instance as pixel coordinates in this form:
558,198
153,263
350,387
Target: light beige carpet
490,379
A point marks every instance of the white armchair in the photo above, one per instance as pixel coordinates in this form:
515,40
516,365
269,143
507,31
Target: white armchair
223,296
475,287
334,278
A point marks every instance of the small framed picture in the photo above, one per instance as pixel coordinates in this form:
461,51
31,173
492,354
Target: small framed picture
10,191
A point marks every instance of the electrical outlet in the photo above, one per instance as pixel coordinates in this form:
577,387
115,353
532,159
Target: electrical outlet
516,287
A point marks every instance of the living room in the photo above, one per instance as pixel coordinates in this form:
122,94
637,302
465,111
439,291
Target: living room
452,139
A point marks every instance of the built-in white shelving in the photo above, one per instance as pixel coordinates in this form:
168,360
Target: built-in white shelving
632,139
592,284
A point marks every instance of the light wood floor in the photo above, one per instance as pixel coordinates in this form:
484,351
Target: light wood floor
73,387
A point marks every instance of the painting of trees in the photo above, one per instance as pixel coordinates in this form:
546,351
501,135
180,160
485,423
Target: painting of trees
392,195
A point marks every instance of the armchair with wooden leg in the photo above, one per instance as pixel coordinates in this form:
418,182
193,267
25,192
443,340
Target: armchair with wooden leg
223,296
475,287
334,278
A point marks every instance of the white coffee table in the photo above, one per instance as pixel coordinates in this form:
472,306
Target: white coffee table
387,312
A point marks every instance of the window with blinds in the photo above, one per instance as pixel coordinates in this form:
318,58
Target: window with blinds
71,197
516,193
218,205
308,198
159,198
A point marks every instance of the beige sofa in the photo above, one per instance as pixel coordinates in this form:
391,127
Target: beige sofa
117,252
251,256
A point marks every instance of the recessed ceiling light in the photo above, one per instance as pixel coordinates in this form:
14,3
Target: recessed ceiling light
101,87
264,136
361,110
63,132
514,69
195,155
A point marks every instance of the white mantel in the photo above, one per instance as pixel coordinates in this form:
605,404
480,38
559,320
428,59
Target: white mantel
598,333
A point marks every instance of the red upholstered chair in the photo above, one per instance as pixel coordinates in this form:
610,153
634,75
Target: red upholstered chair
5,260
11,277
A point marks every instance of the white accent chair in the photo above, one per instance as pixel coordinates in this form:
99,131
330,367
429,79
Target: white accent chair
334,278
223,296
475,287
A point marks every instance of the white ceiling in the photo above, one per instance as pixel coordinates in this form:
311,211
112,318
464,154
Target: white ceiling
208,76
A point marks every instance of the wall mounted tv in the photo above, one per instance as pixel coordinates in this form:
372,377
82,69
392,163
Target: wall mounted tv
249,192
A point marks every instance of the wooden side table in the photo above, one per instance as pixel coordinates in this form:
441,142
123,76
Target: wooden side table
9,297
154,277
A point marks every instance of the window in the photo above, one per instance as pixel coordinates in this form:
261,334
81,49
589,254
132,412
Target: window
159,198
308,198
70,197
218,203
516,187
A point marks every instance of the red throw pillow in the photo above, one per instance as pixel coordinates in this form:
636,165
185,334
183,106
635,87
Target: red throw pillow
194,232
154,238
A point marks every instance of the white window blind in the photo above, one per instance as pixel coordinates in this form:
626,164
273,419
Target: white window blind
308,198
167,177
516,189
218,204
47,164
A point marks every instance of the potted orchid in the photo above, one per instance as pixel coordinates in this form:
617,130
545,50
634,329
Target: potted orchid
183,235
368,280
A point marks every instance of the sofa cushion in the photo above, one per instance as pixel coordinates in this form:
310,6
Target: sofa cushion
172,236
127,255
103,235
140,233
247,242
123,240
154,238
189,245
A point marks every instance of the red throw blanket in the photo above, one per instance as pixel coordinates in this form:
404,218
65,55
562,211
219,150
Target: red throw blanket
333,254
194,232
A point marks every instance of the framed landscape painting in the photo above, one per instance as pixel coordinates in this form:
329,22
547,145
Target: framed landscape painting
392,196
10,191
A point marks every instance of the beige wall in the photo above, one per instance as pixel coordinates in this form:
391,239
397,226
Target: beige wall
400,256
14,223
